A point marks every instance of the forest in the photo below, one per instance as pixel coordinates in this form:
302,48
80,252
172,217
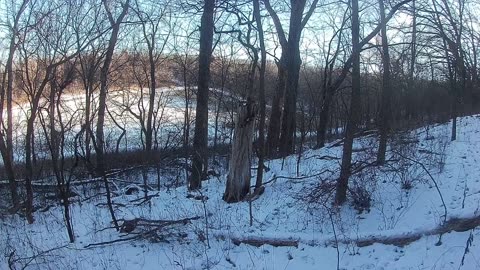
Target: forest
239,134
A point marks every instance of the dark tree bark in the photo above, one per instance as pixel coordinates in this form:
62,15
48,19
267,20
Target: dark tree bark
56,143
410,110
6,146
293,72
273,135
449,25
386,90
323,119
100,140
354,107
29,138
354,110
200,139
288,72
261,95
151,102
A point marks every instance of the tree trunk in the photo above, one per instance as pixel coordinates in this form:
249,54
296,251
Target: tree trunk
6,147
56,143
273,135
411,76
386,88
261,96
151,103
29,145
238,180
100,140
287,142
29,168
200,139
186,118
354,110
323,121
87,123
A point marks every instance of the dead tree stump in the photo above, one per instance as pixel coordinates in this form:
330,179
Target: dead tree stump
239,175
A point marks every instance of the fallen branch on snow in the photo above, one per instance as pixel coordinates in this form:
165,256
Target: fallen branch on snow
260,241
150,228
275,178
400,240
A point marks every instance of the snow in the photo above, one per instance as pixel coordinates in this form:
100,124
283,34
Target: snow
284,212
125,107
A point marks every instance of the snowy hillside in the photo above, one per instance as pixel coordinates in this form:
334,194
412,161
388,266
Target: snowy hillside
418,211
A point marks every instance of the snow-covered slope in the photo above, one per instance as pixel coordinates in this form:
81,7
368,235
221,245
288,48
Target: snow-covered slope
296,206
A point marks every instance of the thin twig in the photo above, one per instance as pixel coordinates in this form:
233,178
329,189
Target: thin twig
433,180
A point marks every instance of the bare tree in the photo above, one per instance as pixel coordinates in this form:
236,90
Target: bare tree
89,67
329,85
261,94
448,22
55,129
200,139
152,21
288,72
6,140
185,62
386,89
354,108
43,50
99,138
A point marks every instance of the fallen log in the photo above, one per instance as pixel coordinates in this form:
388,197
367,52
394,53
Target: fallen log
457,224
260,241
399,241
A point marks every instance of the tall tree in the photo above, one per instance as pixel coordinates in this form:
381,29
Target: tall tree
281,133
151,24
55,129
448,21
386,89
353,113
89,65
354,109
200,139
46,47
410,110
99,138
261,94
6,140
329,85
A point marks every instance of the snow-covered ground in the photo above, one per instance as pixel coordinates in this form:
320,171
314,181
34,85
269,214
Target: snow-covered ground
296,206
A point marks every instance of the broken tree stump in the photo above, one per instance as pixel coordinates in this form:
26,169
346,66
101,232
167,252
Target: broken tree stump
239,175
